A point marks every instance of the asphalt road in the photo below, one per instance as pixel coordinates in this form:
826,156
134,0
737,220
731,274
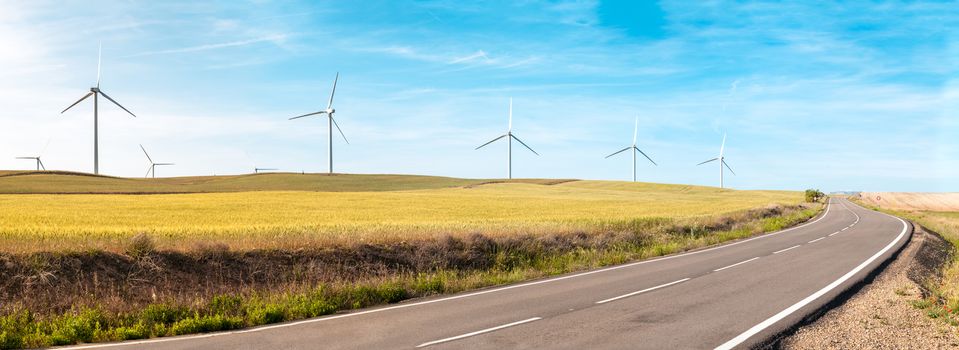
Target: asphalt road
736,295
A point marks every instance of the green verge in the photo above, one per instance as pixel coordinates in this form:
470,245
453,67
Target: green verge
23,328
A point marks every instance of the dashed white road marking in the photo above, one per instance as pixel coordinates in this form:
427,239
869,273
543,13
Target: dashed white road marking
734,265
467,335
816,240
790,248
732,343
642,291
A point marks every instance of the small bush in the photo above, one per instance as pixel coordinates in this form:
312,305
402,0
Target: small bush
814,195
205,324
163,313
140,246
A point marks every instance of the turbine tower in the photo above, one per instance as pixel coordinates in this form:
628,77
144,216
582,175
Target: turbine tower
153,165
722,162
634,150
329,111
96,92
509,138
37,158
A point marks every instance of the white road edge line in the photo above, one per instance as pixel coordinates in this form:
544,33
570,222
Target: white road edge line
782,314
734,265
461,296
816,240
642,291
834,233
790,248
467,335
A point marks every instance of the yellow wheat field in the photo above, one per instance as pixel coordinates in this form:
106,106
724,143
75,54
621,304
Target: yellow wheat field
275,219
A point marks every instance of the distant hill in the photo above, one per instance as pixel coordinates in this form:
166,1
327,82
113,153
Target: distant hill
56,182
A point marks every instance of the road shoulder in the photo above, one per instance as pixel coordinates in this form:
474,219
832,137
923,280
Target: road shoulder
881,315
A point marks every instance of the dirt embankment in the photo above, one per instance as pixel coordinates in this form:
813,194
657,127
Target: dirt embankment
912,200
882,315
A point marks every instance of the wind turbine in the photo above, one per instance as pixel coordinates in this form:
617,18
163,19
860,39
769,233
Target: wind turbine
722,162
153,165
96,92
37,158
329,111
509,138
634,149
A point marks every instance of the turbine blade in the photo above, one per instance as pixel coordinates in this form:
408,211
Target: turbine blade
44,167
26,158
723,147
44,150
707,161
727,167
524,144
644,155
635,130
148,171
330,105
147,154
118,105
99,59
494,140
618,152
338,128
510,114
78,101
308,114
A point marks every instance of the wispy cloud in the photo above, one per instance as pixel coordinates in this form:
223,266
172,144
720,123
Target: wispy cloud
276,38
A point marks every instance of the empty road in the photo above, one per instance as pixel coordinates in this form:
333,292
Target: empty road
731,296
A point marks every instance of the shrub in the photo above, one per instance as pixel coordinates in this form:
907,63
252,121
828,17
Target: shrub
141,246
813,195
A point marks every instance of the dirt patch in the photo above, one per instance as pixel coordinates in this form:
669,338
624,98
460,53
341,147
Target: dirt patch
912,200
881,315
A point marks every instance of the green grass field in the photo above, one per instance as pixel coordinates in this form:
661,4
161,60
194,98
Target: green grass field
294,210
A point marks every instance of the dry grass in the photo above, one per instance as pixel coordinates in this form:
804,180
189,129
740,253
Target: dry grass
246,220
943,218
913,200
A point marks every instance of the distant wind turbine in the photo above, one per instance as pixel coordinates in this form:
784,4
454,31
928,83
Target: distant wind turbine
96,92
722,162
153,165
37,158
634,149
329,111
509,138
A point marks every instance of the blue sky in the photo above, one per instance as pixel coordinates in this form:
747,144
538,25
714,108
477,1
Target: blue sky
844,96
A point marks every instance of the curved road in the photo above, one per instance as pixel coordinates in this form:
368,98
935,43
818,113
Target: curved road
736,295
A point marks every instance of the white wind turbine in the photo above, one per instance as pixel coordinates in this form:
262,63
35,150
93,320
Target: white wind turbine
722,162
329,111
153,165
96,92
37,158
634,149
509,138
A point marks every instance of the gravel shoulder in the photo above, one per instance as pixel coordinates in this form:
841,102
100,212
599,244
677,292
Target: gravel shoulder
881,316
